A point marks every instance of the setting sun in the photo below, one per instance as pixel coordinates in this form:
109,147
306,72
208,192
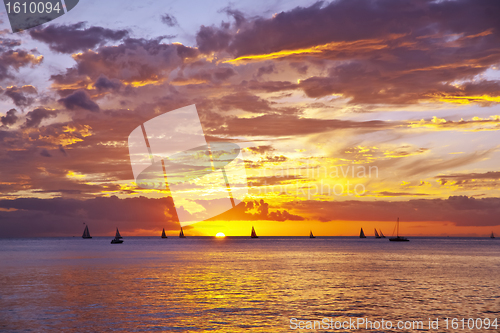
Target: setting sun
220,235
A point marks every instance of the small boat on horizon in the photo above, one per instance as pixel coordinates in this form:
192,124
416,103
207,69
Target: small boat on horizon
377,235
254,234
362,234
398,238
86,233
311,235
163,235
118,238
491,236
181,234
381,234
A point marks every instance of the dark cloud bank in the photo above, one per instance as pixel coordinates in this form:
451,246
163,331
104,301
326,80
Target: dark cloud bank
27,217
391,51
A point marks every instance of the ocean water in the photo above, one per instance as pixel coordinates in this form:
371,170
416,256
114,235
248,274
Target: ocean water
203,284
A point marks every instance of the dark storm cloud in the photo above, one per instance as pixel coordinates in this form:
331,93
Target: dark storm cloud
19,95
169,20
35,117
10,118
65,217
364,83
103,83
75,37
79,99
212,39
324,23
139,61
398,51
461,210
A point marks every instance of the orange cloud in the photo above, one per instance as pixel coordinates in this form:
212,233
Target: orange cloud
355,46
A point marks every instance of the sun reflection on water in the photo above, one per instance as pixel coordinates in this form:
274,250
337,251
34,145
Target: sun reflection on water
239,285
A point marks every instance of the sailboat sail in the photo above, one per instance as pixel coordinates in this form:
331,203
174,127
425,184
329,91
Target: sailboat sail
376,234
86,233
163,235
117,239
254,235
381,234
362,234
181,234
492,235
398,238
311,235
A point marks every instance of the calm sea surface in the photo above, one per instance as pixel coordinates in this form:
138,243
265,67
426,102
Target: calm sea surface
237,284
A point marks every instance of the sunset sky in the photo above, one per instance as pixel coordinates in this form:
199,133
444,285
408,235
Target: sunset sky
351,113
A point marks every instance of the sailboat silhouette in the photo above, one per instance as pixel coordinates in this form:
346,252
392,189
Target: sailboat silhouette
86,233
253,235
181,234
398,238
117,239
491,236
311,235
163,235
381,234
362,234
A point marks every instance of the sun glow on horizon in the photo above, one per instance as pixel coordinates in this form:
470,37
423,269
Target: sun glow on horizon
220,235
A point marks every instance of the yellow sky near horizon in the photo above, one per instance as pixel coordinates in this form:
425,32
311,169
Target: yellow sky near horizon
332,228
